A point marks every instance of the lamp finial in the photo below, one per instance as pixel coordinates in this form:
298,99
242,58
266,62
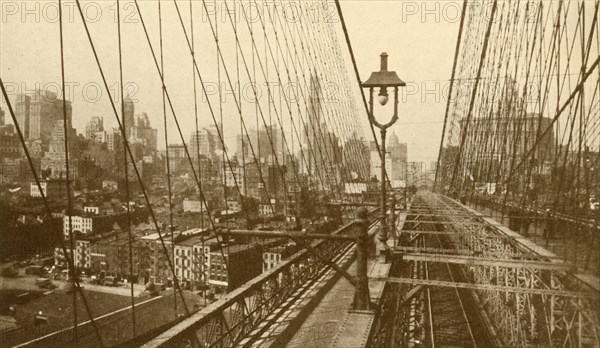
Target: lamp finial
384,61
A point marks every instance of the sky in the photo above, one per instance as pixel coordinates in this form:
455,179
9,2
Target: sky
419,37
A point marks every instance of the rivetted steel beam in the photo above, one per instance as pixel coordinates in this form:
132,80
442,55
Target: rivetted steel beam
329,263
459,233
408,249
588,222
478,223
489,261
486,287
285,234
353,204
409,295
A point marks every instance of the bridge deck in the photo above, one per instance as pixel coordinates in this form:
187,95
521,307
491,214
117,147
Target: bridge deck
460,280
333,323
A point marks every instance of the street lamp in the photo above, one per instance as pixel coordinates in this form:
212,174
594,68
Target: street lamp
383,80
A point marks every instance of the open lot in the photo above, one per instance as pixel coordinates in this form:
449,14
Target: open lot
57,307
110,308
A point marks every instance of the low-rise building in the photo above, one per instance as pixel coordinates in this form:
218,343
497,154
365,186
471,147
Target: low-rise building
190,263
154,258
10,145
193,206
234,265
265,209
274,255
90,223
51,189
112,254
108,253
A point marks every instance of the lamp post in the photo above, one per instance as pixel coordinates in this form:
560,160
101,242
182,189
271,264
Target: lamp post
383,80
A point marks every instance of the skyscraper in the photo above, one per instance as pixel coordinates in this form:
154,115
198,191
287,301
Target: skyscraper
37,112
312,130
204,142
54,160
142,133
22,108
129,115
398,154
96,124
356,157
242,149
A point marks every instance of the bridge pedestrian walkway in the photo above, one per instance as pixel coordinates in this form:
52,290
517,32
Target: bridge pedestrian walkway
332,322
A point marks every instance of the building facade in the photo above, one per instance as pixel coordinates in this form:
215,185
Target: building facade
36,113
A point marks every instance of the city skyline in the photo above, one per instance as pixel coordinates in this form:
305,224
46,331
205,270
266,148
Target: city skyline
82,76
300,173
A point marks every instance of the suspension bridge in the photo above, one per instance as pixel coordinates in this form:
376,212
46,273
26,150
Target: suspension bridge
307,246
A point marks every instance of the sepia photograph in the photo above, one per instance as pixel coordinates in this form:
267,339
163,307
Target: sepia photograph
300,173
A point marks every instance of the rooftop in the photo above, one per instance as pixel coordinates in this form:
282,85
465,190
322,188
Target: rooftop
197,240
166,235
231,249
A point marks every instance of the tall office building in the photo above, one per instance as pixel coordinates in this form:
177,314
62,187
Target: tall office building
142,133
312,132
356,157
242,151
398,153
54,160
37,112
10,144
22,108
204,142
129,113
95,125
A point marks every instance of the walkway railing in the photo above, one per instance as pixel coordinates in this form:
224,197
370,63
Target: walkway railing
230,320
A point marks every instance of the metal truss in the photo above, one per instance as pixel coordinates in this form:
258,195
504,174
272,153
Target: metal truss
473,261
530,318
239,317
396,316
526,295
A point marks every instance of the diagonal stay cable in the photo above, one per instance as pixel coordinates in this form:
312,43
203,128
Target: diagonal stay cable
132,158
452,77
129,222
36,178
66,127
354,64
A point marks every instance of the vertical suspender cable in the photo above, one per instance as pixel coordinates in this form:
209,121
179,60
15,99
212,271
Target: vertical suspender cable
123,120
162,78
456,51
197,136
66,126
66,253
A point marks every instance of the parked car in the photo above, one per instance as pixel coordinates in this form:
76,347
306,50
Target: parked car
109,281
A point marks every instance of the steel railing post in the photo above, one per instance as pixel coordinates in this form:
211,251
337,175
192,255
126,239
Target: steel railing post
362,298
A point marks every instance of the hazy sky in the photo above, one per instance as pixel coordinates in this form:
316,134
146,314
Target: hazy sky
418,36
